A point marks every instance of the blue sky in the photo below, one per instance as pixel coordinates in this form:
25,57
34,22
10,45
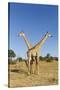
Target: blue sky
35,20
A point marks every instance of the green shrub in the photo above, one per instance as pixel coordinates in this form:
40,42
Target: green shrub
41,58
48,60
11,62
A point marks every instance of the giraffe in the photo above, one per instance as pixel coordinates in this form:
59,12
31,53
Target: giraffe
29,46
34,53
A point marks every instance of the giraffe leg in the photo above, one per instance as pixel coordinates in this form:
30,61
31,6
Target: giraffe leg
33,68
37,64
29,66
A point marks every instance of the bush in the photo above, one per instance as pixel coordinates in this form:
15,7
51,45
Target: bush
19,59
41,58
48,60
11,62
56,58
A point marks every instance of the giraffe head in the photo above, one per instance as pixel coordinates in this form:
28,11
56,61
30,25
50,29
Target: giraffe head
21,34
49,35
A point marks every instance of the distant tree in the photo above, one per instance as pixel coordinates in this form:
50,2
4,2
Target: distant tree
48,55
55,58
48,58
41,58
12,62
19,59
11,54
51,57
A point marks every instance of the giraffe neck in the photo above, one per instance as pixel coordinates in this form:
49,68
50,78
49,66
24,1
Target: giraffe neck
27,43
39,45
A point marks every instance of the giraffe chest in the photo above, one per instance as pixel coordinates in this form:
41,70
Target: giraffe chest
33,53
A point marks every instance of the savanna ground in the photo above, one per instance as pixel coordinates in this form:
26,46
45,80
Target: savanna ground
48,74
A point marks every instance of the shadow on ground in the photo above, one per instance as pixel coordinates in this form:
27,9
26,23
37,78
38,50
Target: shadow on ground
21,71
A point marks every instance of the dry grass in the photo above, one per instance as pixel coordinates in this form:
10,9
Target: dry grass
48,75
